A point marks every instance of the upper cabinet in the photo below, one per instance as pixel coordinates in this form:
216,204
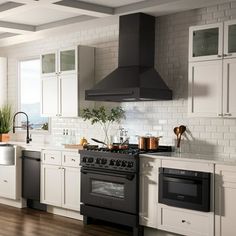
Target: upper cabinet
212,42
65,76
62,61
206,42
212,63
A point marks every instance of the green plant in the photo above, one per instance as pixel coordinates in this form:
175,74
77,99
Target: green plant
105,117
5,119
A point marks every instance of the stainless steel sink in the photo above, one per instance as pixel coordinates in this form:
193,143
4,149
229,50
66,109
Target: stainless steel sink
7,154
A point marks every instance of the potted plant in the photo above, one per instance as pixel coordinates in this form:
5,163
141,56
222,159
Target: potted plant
5,122
104,117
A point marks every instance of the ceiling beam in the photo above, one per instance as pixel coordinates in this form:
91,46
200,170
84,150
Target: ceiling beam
64,22
6,35
9,5
16,28
83,8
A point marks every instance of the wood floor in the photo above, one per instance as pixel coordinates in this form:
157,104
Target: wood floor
28,222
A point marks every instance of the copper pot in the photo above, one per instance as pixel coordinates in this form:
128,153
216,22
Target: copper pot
148,143
152,143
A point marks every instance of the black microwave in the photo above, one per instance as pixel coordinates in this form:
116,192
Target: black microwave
185,189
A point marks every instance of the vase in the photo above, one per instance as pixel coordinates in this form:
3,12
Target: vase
4,137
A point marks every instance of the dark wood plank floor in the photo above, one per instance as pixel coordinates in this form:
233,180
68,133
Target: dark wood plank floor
29,222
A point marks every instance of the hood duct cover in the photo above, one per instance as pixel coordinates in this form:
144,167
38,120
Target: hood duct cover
135,79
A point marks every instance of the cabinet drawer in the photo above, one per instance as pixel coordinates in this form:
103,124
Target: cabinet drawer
71,159
185,222
51,157
7,182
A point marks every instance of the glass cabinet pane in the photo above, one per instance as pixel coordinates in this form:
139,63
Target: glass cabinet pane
67,60
232,39
205,42
49,63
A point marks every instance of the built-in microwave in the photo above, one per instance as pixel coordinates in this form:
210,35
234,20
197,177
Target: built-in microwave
185,189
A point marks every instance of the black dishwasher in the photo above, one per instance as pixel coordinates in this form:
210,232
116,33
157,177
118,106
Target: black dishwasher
31,179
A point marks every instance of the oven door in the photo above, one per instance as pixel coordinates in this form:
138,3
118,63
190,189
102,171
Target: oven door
109,189
185,192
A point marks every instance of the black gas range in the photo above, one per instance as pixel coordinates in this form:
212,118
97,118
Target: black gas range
110,185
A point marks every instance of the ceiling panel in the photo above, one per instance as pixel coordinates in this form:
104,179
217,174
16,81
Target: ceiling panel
39,16
113,3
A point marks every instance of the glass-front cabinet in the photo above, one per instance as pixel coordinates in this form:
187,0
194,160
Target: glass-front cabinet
230,38
49,64
63,61
206,42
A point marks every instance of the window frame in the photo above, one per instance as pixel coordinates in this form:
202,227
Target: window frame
18,105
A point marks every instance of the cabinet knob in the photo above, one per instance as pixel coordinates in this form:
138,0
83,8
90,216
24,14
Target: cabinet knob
53,158
227,55
227,114
220,114
73,159
219,55
183,221
5,181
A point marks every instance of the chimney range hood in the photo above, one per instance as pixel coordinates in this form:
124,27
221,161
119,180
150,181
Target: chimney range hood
135,79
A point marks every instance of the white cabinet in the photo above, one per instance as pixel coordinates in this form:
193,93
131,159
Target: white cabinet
184,222
206,42
60,179
148,191
225,195
8,182
65,76
212,70
51,178
3,80
205,88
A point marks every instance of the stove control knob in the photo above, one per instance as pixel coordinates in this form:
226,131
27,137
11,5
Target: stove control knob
112,162
90,159
84,159
98,160
123,164
130,164
104,161
118,162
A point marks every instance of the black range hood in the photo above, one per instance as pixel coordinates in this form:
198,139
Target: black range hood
135,79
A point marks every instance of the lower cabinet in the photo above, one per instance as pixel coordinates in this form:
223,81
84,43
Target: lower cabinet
148,191
8,182
225,195
184,222
60,184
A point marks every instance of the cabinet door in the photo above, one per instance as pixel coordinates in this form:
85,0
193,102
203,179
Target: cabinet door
205,89
230,39
206,42
225,195
49,64
8,182
71,188
68,61
69,95
148,191
229,87
50,96
51,185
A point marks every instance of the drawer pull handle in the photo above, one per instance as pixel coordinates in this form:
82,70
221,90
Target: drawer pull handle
53,158
183,221
5,181
73,159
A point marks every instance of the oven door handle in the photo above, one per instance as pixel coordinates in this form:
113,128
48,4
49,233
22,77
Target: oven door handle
126,176
179,180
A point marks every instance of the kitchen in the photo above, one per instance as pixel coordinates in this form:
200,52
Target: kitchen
206,134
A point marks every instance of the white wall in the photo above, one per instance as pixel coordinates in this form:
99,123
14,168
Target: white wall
204,135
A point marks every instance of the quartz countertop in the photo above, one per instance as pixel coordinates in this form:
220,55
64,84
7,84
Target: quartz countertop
40,146
192,157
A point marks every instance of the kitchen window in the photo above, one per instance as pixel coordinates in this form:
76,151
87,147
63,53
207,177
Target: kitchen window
29,99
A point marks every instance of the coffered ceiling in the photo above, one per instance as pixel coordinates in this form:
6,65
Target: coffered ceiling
29,17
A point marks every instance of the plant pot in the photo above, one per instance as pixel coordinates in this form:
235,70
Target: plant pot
4,137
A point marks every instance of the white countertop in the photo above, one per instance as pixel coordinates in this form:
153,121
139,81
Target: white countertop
192,157
40,147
